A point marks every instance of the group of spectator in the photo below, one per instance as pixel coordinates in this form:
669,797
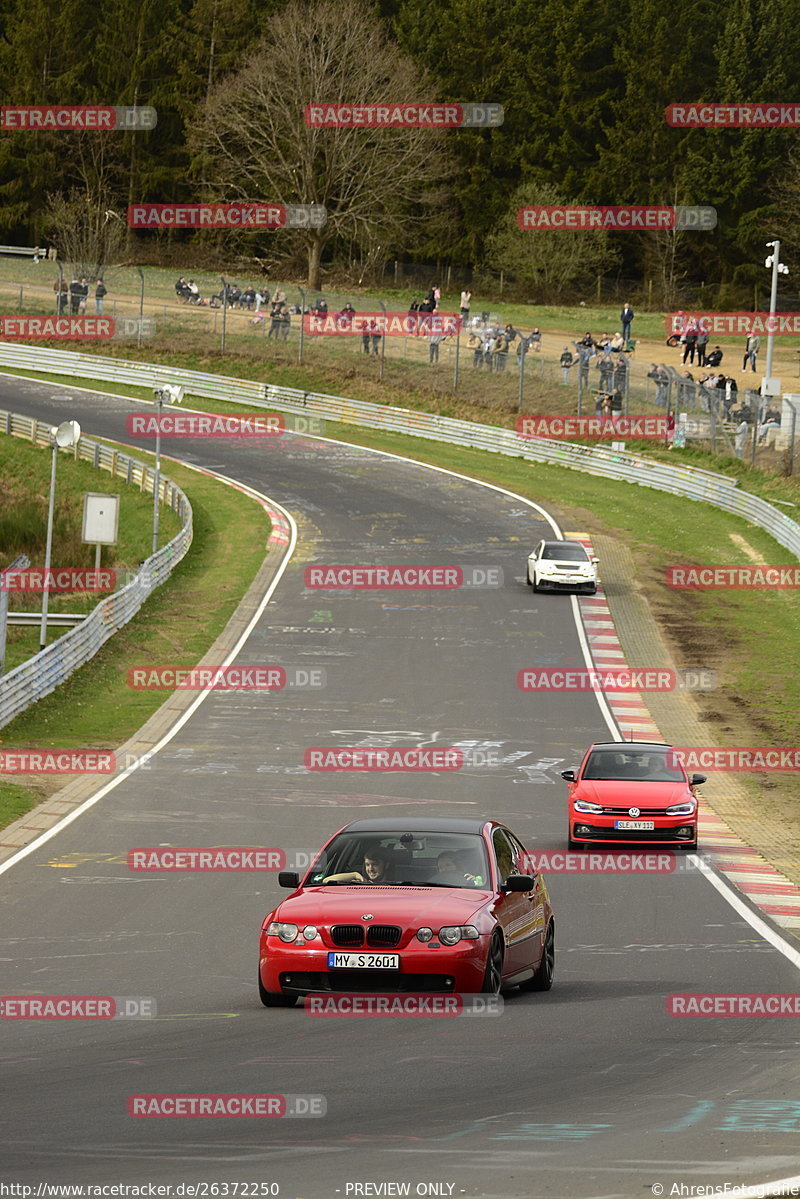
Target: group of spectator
76,295
491,345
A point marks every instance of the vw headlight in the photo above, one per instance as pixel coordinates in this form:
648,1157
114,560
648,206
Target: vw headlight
687,808
583,805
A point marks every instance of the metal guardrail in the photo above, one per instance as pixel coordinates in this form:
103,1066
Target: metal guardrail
64,620
41,674
688,481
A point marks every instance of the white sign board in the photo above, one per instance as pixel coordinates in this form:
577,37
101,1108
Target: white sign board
100,518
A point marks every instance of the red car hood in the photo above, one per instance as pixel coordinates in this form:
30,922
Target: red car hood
630,793
417,906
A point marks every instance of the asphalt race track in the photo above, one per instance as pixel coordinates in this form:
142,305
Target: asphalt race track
589,1090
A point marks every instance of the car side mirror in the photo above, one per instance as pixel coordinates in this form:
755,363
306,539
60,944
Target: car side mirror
289,878
568,776
518,882
595,560
697,779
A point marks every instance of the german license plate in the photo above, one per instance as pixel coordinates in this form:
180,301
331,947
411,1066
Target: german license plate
363,961
644,825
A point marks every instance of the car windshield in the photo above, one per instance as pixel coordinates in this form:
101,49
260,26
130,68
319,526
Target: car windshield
402,859
652,766
566,551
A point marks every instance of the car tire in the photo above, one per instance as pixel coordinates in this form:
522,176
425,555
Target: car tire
591,590
535,584
528,579
545,971
274,998
493,975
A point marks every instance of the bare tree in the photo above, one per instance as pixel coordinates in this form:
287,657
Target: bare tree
378,185
550,260
85,229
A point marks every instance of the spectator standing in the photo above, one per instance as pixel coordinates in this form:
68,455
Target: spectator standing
84,294
466,299
751,348
567,361
434,341
702,342
626,318
661,379
74,296
741,438
606,369
100,291
690,342
500,352
62,293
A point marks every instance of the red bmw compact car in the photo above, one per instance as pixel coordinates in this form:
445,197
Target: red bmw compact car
632,791
410,906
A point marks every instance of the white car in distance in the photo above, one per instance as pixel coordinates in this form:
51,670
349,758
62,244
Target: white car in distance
562,566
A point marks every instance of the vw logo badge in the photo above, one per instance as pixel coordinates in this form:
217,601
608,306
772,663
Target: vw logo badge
634,811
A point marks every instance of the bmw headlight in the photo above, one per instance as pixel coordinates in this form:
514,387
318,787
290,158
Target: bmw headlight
451,934
687,808
286,932
424,934
309,932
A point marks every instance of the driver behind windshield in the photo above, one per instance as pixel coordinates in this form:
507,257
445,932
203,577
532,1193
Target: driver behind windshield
377,868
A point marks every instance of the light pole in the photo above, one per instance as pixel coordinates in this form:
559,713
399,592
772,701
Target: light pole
224,310
141,307
770,386
67,433
170,393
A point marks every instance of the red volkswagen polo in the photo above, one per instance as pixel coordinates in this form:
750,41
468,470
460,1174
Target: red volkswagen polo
632,791
410,906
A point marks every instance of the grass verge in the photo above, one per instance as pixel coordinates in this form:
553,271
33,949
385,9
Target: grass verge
95,708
